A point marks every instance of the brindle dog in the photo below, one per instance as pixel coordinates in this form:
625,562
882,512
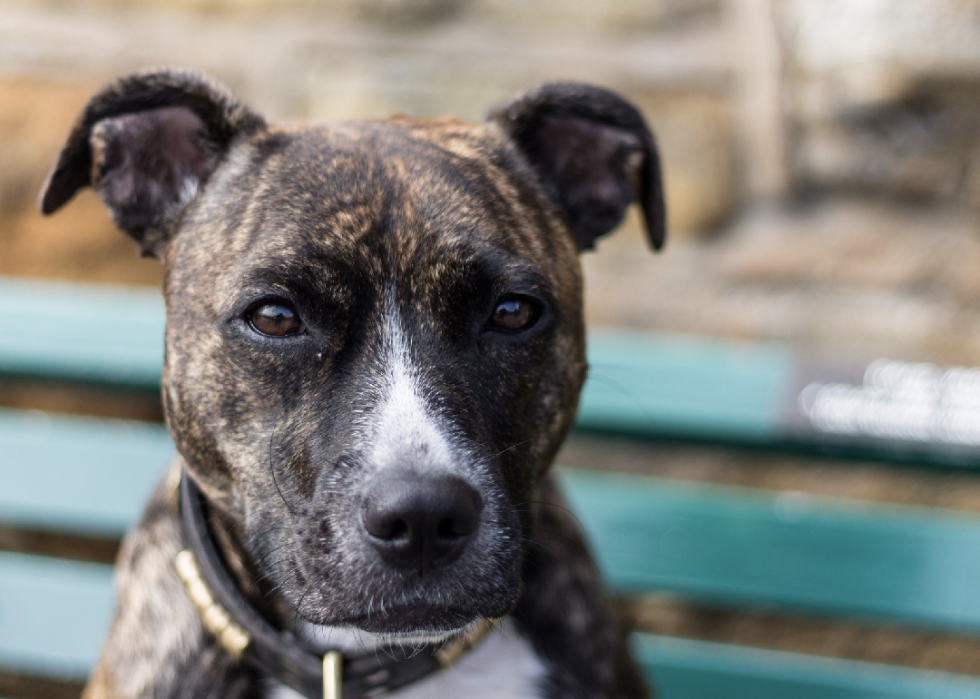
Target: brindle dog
374,349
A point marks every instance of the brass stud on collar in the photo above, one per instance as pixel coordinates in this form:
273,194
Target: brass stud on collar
232,637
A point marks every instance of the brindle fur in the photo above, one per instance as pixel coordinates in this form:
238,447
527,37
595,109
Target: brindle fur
353,221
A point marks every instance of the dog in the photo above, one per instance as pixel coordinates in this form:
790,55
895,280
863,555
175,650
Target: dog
374,349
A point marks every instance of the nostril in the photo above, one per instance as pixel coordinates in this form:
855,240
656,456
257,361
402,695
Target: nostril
383,525
391,531
398,530
461,524
447,529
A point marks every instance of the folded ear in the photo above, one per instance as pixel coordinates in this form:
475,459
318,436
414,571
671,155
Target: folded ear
593,153
147,142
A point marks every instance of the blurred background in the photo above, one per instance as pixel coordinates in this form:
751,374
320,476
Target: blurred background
822,157
822,168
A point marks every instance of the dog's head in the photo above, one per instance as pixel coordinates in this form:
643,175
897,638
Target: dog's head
375,341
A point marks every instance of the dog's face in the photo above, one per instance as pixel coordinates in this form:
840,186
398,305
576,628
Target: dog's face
374,341
353,307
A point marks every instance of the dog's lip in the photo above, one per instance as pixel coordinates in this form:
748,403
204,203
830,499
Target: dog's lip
413,621
418,638
350,638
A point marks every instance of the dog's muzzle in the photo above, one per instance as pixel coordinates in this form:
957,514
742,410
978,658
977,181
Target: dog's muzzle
395,517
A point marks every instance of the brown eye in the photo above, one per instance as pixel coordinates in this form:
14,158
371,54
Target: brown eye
513,315
276,319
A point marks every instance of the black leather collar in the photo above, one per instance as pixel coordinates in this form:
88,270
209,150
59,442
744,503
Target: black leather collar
245,633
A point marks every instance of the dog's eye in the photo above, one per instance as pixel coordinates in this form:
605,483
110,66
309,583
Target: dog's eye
275,318
514,314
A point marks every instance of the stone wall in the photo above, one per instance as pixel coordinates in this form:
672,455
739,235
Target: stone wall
346,59
820,156
884,96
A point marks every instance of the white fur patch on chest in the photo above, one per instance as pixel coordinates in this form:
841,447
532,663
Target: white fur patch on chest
503,666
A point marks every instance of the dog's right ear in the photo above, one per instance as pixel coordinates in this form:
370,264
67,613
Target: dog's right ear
147,143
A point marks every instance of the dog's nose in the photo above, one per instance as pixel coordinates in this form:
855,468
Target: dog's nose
421,522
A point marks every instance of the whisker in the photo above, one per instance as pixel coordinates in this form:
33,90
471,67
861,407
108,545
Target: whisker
617,386
512,446
272,470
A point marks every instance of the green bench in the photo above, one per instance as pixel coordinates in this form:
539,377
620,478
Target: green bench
86,479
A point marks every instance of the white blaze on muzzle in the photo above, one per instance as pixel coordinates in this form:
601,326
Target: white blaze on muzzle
404,431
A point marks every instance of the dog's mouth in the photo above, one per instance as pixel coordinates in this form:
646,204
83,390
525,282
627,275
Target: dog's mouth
419,637
363,633
410,622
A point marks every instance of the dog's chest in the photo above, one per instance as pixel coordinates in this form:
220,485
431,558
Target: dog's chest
503,666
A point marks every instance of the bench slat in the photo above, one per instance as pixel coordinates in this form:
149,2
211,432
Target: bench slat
81,332
754,394
684,387
53,614
84,475
738,546
684,669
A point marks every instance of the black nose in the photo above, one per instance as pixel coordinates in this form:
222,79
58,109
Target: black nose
422,522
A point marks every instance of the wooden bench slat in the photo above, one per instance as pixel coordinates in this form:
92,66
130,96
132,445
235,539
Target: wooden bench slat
683,387
83,475
53,614
740,546
81,332
728,392
685,669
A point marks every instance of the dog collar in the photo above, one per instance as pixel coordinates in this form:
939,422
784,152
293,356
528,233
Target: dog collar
244,633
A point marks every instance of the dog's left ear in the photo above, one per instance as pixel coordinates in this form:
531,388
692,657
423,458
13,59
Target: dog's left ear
593,154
